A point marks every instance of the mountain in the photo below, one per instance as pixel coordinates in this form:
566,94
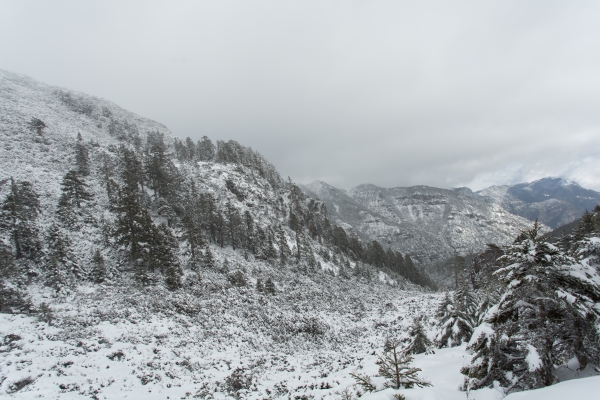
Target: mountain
427,223
552,201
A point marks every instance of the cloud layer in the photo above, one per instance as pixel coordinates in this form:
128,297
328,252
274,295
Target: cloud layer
391,93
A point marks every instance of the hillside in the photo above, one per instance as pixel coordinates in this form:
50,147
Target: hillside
178,266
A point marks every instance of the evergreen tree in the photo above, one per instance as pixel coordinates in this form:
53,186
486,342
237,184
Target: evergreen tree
545,317
66,213
221,228
234,222
9,294
37,125
192,234
205,149
82,157
249,239
420,342
61,252
131,224
459,318
75,189
191,149
270,287
56,275
394,367
165,210
20,210
162,175
208,260
283,246
259,286
98,267
132,172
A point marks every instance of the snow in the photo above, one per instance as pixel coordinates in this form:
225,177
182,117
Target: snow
580,389
533,358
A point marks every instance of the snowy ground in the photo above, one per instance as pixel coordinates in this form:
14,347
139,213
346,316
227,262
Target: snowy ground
116,342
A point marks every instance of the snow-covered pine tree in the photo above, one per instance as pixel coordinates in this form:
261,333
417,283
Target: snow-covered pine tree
394,367
55,276
98,274
284,250
132,219
82,157
270,287
10,294
205,149
165,210
208,261
457,319
60,250
164,251
75,189
66,213
259,286
420,343
546,316
18,219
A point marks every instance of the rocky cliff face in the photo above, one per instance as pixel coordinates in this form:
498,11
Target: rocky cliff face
427,223
553,201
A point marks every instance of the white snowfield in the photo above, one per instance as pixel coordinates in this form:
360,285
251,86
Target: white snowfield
133,355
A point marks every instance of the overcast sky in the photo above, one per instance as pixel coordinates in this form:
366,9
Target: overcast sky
393,93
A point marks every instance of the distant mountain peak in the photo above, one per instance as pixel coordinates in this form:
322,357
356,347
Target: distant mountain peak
554,201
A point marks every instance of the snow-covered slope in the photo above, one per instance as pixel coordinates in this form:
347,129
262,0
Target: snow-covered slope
216,335
427,223
553,201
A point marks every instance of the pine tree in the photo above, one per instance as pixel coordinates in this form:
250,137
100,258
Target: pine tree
132,172
233,223
133,224
544,318
8,269
75,189
283,246
191,149
394,367
205,149
56,275
259,286
162,175
82,157
106,173
249,239
458,318
20,210
37,125
98,267
208,261
420,343
61,252
192,234
66,213
165,210
270,287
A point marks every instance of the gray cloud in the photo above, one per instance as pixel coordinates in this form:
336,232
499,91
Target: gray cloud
392,93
